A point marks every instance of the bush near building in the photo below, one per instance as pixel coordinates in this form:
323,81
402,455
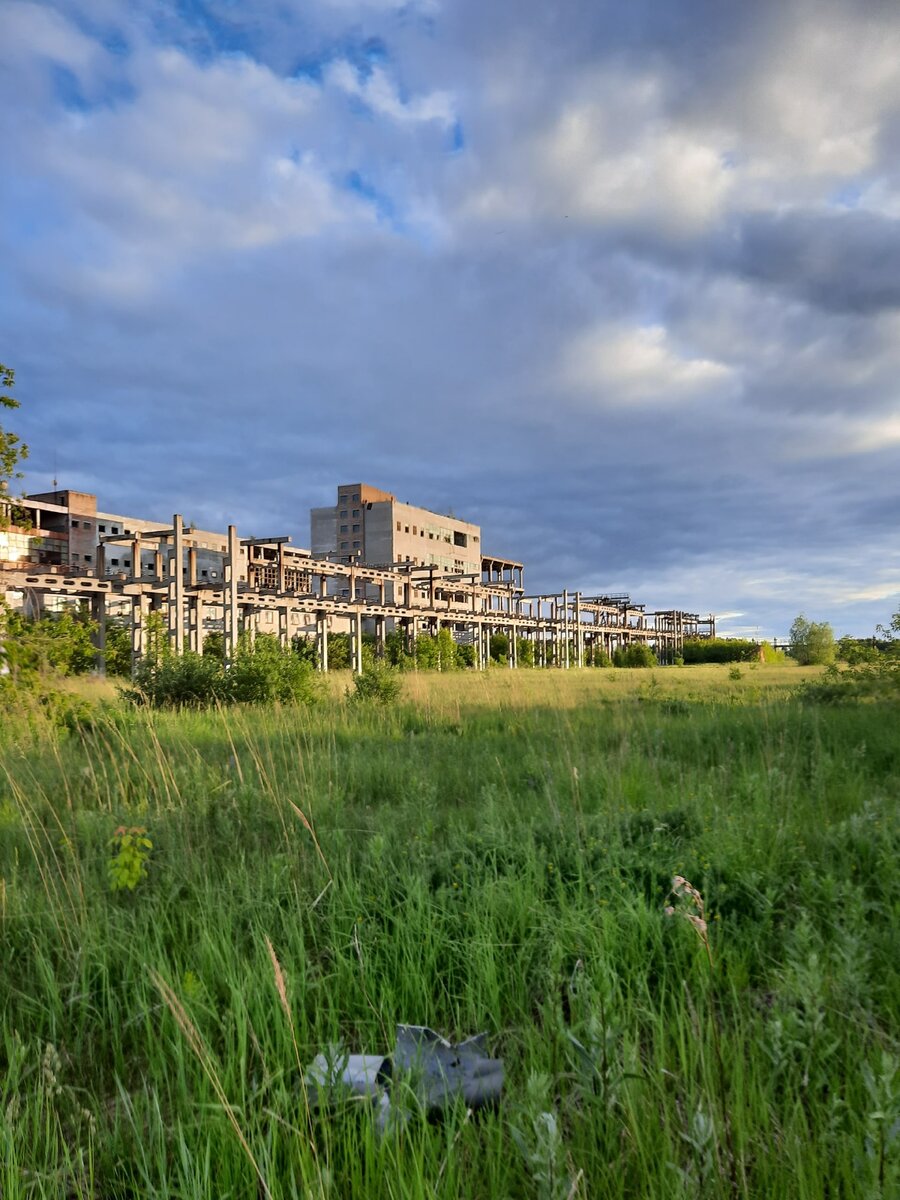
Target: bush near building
719,650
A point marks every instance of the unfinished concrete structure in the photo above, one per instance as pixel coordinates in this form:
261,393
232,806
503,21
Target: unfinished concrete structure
370,526
61,546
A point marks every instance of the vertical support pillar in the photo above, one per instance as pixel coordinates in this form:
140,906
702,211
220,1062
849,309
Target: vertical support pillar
380,637
566,628
136,557
138,631
175,608
98,614
100,558
322,641
284,634
232,560
195,624
579,633
356,634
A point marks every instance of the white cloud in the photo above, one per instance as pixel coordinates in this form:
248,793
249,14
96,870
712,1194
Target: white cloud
657,172
621,366
379,92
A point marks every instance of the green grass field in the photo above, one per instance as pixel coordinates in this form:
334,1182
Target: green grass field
492,853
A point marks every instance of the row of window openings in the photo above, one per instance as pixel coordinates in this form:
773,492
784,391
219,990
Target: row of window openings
344,513
344,529
114,562
459,539
346,545
102,528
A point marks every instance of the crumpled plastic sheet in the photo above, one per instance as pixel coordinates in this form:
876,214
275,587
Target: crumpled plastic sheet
425,1073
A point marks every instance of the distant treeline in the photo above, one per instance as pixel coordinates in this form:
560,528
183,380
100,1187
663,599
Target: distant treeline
728,650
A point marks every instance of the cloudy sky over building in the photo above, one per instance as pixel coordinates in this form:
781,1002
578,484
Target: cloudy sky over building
619,281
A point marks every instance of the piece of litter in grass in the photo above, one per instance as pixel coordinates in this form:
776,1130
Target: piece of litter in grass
425,1071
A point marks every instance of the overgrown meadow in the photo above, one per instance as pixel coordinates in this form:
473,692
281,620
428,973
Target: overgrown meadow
194,904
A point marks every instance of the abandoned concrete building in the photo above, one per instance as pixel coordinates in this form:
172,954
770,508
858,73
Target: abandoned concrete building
375,565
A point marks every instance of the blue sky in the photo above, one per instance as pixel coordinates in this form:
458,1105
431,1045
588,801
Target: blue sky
621,282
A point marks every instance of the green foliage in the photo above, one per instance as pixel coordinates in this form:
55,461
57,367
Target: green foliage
465,655
719,650
438,653
378,684
812,643
56,642
525,652
735,673
498,863
856,651
118,649
13,450
499,648
214,645
771,655
127,864
596,656
638,654
339,652
262,672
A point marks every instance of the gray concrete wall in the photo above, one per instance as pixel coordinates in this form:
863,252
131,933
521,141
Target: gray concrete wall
379,536
322,531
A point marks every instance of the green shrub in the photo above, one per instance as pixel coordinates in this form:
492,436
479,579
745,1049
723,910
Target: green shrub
525,652
438,653
637,655
719,650
261,673
59,642
378,684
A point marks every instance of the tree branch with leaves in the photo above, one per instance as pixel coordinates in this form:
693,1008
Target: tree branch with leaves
13,450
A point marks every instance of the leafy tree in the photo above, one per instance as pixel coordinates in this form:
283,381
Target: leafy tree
812,642
637,655
12,449
719,650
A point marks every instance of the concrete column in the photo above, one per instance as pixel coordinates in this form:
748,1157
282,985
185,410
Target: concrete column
138,630
175,610
101,560
565,629
232,568
356,636
192,566
284,634
195,624
98,614
322,641
579,633
136,556
380,637
157,564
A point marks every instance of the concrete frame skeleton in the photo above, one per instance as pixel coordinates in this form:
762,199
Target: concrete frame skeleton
421,597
